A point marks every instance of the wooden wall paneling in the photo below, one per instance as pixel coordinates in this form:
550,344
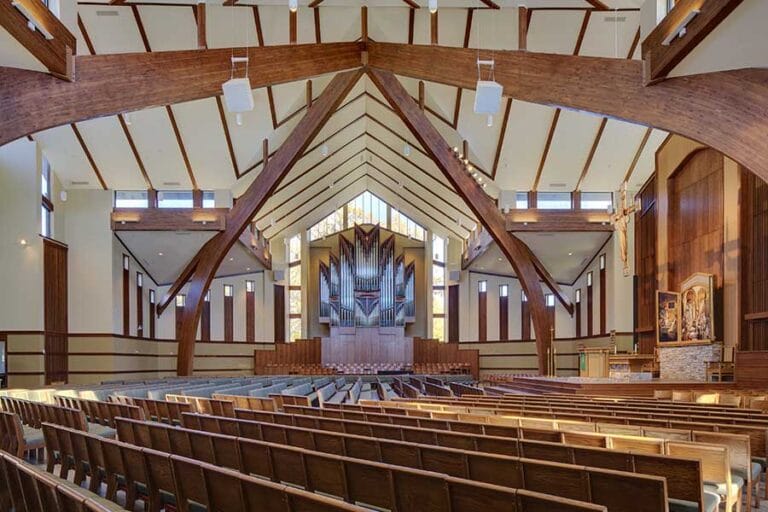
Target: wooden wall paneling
603,298
56,311
577,314
432,351
590,304
696,224
646,229
250,314
152,313
482,315
453,313
503,318
229,314
279,313
126,296
139,304
525,320
205,319
754,254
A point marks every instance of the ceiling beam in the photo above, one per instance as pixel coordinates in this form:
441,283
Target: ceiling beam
481,204
57,53
111,84
730,113
239,217
660,59
550,281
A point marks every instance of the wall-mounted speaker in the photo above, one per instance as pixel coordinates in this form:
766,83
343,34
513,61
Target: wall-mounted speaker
279,275
454,275
237,95
488,97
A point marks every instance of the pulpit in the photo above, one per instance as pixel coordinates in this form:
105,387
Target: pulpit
593,361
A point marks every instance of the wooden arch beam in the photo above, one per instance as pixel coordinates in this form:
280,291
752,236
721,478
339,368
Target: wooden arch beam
481,204
209,258
727,111
31,101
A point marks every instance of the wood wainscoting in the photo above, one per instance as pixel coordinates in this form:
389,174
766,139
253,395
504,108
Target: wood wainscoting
752,369
646,229
300,352
754,254
433,351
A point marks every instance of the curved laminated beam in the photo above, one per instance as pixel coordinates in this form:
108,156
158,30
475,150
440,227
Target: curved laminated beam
727,110
239,217
481,204
31,101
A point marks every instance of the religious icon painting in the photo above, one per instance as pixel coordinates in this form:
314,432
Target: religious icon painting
667,317
697,322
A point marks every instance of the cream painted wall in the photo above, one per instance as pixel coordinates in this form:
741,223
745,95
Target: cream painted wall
469,314
21,272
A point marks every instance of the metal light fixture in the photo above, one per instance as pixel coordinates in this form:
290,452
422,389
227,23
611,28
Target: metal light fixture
433,6
293,5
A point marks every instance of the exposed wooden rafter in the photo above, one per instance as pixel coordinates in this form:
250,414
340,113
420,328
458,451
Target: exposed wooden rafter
728,115
239,217
110,84
57,53
659,59
481,204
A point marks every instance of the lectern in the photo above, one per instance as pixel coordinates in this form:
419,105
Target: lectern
593,361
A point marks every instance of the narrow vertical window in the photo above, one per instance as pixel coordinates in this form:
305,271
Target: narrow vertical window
438,288
525,317
550,302
181,301
577,312
46,211
294,286
152,313
603,295
590,305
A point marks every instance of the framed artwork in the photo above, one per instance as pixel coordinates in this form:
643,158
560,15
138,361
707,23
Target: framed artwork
667,317
697,307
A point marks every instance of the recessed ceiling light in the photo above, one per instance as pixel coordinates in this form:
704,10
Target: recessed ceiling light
231,259
159,254
500,259
248,269
570,254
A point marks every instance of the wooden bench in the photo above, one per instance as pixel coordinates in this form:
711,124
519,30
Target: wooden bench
24,487
353,480
102,413
161,410
163,475
489,466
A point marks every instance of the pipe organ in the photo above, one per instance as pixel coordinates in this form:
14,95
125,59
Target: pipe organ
366,285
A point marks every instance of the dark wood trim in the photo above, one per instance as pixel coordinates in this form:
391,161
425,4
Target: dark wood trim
55,311
140,305
279,313
453,313
152,315
85,35
135,151
433,25
250,315
504,317
200,20
482,315
180,142
89,157
660,59
502,134
522,28
603,300
525,320
56,54
577,314
205,320
229,311
545,152
638,153
592,151
292,26
179,318
126,306
590,306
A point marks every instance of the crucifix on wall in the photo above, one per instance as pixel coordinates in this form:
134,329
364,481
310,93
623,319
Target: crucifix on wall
620,220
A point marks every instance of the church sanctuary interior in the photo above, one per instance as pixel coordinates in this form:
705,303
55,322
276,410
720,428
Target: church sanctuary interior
383,255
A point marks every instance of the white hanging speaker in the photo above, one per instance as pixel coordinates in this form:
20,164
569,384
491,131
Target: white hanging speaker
487,92
237,95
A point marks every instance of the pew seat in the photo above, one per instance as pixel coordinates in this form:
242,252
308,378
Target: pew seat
711,504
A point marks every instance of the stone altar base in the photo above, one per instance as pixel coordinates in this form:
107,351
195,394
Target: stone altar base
688,362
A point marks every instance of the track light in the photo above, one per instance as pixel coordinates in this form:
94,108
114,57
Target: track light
239,119
406,150
293,5
324,150
433,6
127,118
489,123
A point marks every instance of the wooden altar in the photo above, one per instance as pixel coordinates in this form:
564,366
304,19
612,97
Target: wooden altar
631,363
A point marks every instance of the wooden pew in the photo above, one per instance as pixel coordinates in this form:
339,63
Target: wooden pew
161,410
102,413
24,487
205,405
217,488
254,403
351,478
679,473
12,436
470,463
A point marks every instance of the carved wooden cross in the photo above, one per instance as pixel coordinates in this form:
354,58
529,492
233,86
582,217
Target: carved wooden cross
620,221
